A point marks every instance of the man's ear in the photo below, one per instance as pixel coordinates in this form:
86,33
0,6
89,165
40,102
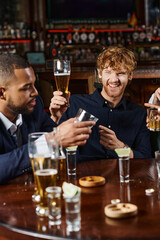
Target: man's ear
2,93
99,74
130,76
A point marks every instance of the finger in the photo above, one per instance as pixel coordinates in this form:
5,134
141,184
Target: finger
60,102
57,93
82,131
70,120
105,136
58,98
79,140
147,119
82,137
105,129
54,107
151,105
80,143
104,143
102,132
158,95
85,124
103,139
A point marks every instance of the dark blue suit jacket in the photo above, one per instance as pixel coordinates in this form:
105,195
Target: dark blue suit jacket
15,161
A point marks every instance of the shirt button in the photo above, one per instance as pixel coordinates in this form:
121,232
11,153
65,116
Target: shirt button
110,110
109,126
105,102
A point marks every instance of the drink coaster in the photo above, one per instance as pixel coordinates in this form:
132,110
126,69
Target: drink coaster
121,210
92,181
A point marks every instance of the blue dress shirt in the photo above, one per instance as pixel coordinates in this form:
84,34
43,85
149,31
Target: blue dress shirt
127,120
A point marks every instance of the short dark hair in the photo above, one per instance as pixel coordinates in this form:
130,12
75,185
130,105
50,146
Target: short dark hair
8,63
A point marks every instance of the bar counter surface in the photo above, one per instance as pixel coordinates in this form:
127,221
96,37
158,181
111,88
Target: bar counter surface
19,221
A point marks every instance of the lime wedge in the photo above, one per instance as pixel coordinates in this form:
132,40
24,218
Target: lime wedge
73,148
70,190
122,152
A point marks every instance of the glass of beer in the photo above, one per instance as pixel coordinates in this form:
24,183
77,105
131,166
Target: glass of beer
62,72
44,159
31,146
153,119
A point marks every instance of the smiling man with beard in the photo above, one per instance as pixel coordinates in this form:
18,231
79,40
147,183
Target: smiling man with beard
121,122
21,110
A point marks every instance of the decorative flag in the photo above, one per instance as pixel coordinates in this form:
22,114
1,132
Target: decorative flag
133,20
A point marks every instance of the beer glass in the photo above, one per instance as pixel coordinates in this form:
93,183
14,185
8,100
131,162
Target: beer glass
31,145
62,72
44,155
154,119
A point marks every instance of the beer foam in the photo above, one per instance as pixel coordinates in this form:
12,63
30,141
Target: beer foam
46,172
62,74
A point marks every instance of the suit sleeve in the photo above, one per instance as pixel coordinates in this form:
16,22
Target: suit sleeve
15,161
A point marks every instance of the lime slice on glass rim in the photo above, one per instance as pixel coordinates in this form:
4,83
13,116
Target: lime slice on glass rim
70,190
122,152
72,148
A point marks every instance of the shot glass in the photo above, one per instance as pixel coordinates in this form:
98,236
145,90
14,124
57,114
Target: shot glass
71,161
72,210
154,119
125,193
54,205
157,157
124,167
82,115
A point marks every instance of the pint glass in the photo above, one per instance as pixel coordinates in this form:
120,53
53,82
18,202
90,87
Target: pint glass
44,157
62,71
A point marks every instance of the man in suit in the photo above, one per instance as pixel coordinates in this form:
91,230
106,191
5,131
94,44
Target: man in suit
22,108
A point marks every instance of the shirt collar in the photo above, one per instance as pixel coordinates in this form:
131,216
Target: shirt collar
12,127
97,96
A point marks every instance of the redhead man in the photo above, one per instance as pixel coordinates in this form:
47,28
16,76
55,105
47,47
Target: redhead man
121,122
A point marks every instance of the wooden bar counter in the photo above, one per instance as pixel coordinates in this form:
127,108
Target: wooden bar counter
18,219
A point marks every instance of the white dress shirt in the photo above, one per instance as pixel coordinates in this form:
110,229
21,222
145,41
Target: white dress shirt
12,127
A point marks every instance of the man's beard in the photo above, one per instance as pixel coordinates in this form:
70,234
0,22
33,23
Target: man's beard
19,110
